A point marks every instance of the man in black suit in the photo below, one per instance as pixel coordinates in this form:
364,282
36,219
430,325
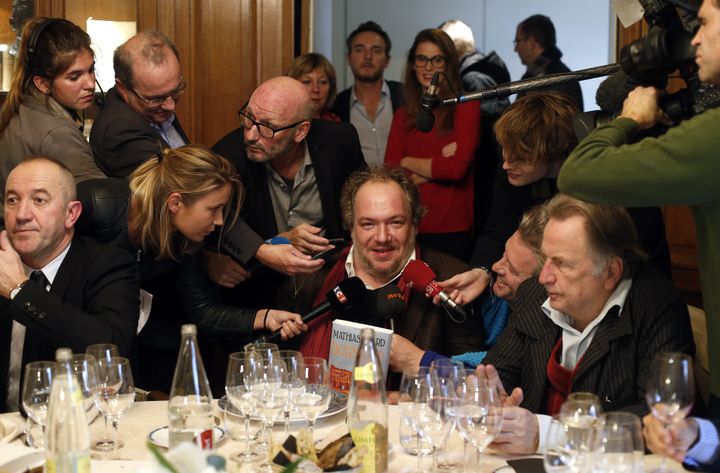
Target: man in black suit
56,289
536,45
607,315
371,101
138,119
293,168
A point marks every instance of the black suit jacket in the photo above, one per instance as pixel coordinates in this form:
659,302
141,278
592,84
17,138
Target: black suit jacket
341,107
121,139
94,299
617,362
335,153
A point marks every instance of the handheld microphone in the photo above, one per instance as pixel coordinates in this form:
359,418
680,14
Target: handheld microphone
422,278
429,100
340,298
389,303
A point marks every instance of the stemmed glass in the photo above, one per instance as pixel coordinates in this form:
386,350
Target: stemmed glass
266,387
434,414
671,390
83,367
115,392
266,351
240,367
36,395
104,351
294,384
621,444
316,395
480,418
560,454
582,415
412,387
452,371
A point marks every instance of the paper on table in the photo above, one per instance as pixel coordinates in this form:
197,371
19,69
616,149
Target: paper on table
17,458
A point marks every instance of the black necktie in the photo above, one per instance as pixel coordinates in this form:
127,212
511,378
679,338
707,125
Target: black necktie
40,278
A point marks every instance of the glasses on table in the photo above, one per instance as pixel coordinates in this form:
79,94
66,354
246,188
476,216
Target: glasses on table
103,351
115,392
238,382
36,389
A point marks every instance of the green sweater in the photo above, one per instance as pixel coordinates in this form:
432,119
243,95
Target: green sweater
681,167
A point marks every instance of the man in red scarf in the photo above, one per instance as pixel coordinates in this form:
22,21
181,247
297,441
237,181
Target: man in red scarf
382,210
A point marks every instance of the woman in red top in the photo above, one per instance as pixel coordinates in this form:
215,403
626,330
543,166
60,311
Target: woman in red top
438,162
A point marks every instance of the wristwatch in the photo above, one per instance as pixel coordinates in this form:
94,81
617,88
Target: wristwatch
14,291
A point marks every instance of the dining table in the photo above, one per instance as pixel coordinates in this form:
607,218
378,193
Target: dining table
146,417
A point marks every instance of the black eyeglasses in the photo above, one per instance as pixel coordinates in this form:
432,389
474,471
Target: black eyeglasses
437,61
157,101
518,40
265,130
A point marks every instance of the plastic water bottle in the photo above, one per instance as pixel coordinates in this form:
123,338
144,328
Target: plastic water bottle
190,406
368,406
68,438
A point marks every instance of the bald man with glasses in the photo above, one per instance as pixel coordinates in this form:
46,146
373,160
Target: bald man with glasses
293,167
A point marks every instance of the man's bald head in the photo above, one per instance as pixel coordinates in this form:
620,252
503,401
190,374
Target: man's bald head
285,96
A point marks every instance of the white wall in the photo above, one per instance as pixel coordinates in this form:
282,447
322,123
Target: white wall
585,30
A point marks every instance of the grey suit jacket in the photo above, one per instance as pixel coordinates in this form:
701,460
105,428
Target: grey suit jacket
618,360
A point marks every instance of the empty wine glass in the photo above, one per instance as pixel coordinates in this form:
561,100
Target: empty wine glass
266,350
434,413
37,384
266,387
411,386
104,351
479,420
115,392
240,368
316,395
621,445
671,390
560,455
294,384
83,367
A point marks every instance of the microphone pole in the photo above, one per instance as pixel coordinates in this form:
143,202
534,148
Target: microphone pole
504,90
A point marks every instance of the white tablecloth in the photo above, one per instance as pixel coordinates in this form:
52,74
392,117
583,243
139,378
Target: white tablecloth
144,417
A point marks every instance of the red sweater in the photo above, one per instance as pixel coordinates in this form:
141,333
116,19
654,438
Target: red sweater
449,195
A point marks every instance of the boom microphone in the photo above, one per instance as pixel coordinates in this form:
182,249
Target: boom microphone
423,279
340,298
429,100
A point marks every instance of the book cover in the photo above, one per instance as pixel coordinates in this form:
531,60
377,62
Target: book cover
344,344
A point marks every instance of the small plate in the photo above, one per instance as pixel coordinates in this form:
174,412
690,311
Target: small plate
161,436
8,430
338,403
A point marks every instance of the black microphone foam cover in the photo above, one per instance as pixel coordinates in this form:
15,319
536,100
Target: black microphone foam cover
613,91
346,293
424,121
389,303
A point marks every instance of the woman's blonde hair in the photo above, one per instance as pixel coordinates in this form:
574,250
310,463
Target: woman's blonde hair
306,63
192,171
54,49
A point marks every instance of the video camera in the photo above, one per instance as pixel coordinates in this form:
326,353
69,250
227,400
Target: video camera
666,48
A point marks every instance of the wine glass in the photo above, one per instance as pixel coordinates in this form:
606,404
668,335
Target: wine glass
582,406
560,455
480,419
316,395
115,392
266,350
294,384
453,371
266,387
104,351
434,413
582,414
240,368
37,385
83,367
411,386
671,390
621,445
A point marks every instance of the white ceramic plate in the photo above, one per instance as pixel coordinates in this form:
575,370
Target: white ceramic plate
8,430
161,436
337,404
16,458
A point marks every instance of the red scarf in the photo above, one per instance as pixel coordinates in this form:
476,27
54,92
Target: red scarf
316,341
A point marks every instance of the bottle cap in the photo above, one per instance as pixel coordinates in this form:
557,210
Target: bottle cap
367,332
63,354
188,329
216,461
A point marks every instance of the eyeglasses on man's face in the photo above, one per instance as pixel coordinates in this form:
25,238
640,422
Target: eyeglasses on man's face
437,61
159,100
519,40
264,130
